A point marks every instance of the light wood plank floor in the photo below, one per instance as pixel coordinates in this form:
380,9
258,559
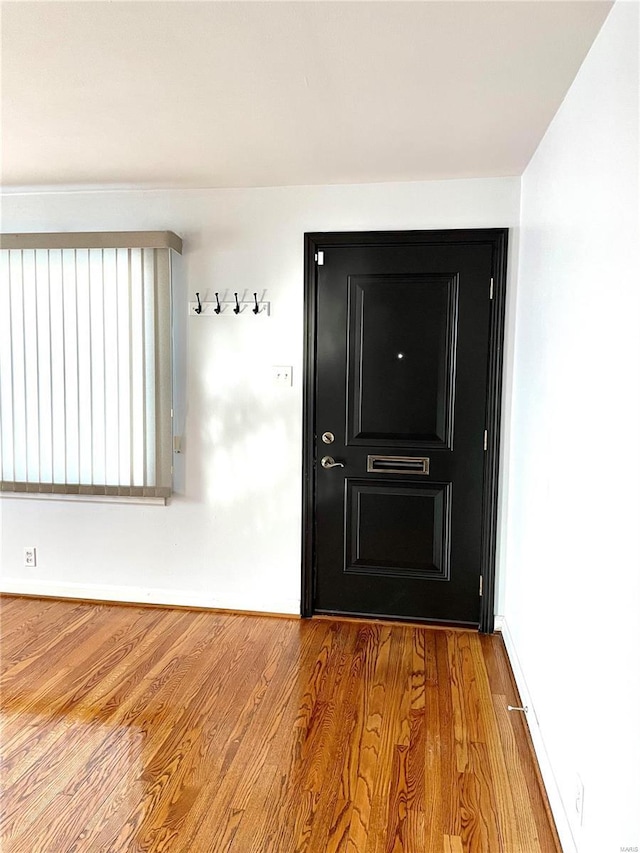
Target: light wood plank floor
132,729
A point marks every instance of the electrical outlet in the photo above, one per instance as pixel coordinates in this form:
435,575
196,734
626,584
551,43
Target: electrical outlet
579,799
30,557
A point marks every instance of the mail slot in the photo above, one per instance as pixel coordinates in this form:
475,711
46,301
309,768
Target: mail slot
398,464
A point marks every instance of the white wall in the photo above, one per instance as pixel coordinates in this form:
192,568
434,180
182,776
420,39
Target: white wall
572,595
231,538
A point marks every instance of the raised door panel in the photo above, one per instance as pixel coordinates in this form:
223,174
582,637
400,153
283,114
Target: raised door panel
401,360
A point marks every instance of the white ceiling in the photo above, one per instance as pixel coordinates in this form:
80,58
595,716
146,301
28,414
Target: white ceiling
216,94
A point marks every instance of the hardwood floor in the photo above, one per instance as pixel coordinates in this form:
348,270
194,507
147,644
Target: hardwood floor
132,729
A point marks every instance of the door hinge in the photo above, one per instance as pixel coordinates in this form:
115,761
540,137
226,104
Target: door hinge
486,439
480,585
320,258
491,290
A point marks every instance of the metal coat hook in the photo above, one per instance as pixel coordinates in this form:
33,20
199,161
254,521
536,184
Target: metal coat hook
258,306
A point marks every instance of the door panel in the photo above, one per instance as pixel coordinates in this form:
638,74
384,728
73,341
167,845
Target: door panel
401,370
398,530
400,388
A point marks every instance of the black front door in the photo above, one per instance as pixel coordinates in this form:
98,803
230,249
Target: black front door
401,332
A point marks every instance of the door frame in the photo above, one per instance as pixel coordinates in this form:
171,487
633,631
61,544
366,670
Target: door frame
321,241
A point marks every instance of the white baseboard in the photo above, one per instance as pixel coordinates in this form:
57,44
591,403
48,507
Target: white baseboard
147,595
544,762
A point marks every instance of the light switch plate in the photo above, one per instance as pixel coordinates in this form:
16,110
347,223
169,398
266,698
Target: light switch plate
282,375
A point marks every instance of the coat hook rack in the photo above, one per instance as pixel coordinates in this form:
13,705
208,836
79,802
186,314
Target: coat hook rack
236,307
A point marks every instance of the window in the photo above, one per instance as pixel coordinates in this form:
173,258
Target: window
85,363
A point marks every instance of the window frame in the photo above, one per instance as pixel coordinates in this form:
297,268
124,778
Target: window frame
162,378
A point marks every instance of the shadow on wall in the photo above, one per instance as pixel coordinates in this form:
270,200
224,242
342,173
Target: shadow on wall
243,431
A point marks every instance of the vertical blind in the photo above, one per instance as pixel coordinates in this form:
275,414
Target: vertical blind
85,364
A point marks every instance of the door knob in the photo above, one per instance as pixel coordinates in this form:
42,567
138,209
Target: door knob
330,462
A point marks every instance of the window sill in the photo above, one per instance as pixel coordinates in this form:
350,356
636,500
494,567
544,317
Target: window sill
106,499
